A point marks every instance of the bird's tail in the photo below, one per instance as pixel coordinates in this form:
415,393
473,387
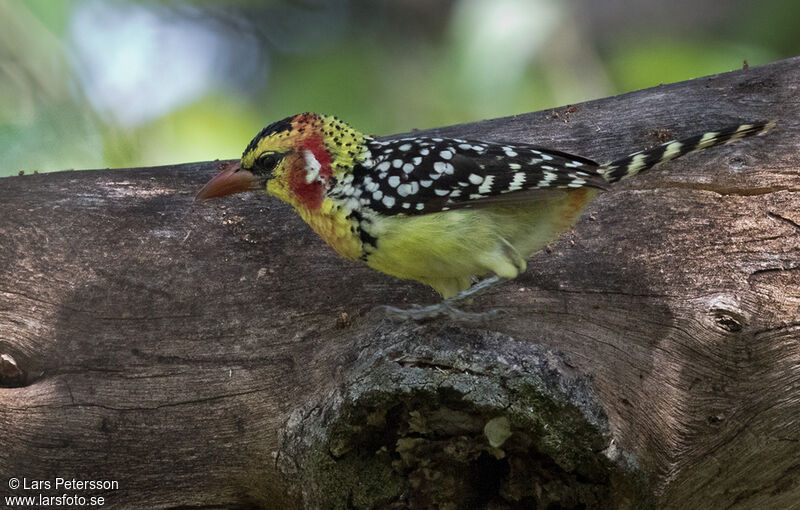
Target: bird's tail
643,160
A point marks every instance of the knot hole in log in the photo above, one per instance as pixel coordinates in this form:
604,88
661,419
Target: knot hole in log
434,418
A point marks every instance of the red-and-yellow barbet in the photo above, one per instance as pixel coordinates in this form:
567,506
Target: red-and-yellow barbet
442,211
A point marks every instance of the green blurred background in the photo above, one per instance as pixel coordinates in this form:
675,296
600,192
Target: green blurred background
94,84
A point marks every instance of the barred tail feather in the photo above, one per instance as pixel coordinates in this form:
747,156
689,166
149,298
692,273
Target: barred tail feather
643,160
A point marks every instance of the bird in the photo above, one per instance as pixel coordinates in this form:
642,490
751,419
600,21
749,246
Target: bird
455,214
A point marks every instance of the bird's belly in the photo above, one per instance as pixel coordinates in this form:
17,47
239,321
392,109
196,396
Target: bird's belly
446,249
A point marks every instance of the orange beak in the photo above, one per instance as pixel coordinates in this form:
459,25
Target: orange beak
232,179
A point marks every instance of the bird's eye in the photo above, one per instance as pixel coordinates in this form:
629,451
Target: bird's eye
267,161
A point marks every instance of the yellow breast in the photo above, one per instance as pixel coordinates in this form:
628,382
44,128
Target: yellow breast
331,223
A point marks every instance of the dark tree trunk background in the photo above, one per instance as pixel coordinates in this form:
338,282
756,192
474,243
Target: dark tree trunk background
219,355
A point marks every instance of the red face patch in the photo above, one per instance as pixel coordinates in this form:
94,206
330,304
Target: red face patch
317,148
310,194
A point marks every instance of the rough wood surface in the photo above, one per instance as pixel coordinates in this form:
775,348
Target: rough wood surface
197,354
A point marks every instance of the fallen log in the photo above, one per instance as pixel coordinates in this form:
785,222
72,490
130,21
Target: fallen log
219,355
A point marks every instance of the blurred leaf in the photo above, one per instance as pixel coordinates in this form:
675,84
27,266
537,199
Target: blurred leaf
53,15
384,66
217,127
642,64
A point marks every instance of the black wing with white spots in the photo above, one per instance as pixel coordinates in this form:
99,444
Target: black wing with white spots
424,175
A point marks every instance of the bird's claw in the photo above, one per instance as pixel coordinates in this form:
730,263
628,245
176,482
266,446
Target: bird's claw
444,309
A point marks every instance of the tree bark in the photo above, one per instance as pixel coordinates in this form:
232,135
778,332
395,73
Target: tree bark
219,355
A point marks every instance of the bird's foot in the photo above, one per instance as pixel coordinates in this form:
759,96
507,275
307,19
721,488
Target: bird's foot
447,308
444,309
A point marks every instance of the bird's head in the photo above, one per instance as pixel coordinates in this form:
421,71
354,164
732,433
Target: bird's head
295,159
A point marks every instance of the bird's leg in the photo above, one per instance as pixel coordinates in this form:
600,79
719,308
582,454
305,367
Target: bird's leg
448,306
476,290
